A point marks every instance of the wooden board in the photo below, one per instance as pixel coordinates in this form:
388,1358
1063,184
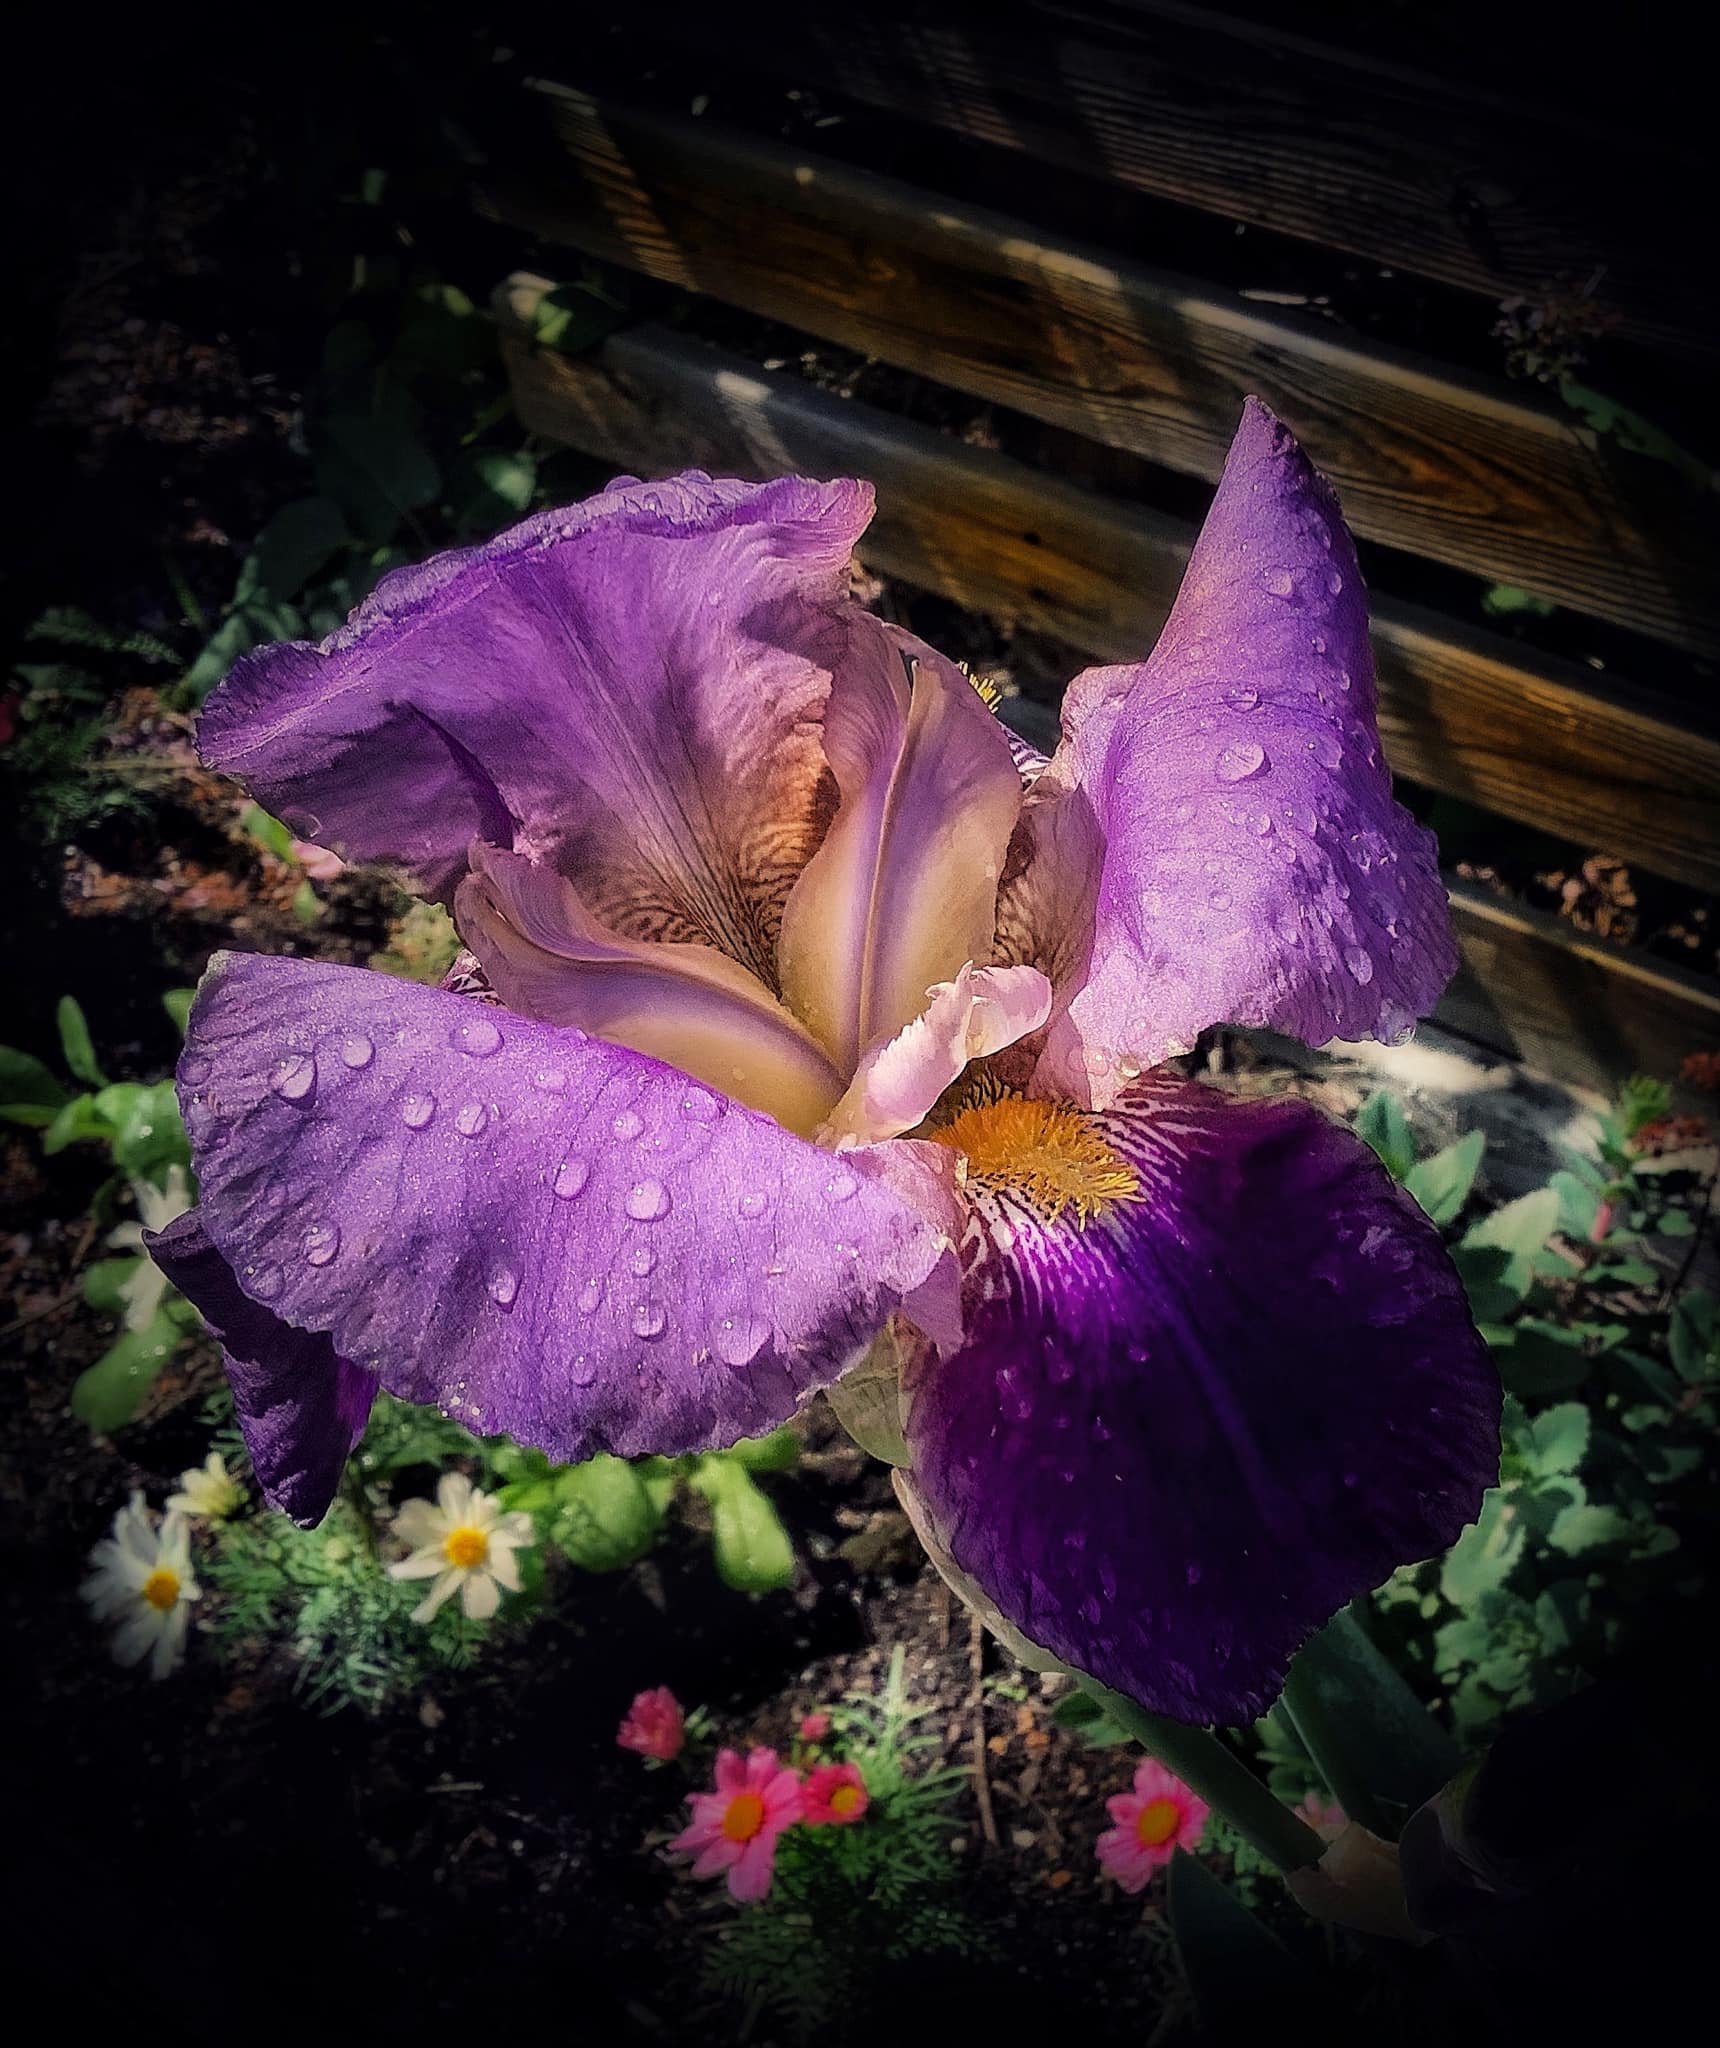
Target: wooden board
1464,713
1469,474
1463,185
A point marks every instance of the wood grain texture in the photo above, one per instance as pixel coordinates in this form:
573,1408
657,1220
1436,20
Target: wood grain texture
1463,713
1468,474
1463,185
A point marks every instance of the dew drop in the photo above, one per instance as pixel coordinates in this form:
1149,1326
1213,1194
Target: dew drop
1334,582
1359,963
649,1319
628,1124
1238,762
699,1106
193,1070
1262,824
590,1296
264,1282
478,1036
738,1340
1326,749
752,1205
581,1369
570,1177
550,1079
840,1186
1242,697
321,1242
1279,583
502,1285
356,1050
1219,899
417,1110
295,1076
1318,643
647,1200
470,1118
643,1261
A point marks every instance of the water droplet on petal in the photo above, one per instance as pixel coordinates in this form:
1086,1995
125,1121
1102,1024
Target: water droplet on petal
752,1205
628,1124
477,1036
700,1106
1334,582
738,1340
417,1110
295,1076
550,1079
1279,583
647,1200
1326,749
1238,762
570,1176
590,1296
649,1319
357,1050
1359,963
264,1282
643,1261
581,1369
194,1069
502,1285
840,1186
470,1119
1242,697
321,1242
1219,899
1318,643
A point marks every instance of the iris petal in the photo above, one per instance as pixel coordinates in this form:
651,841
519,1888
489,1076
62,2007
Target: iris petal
1179,1438
535,1231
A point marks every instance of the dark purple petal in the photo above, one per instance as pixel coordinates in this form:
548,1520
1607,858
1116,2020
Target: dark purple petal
1255,868
536,1231
637,681
1179,1439
301,1406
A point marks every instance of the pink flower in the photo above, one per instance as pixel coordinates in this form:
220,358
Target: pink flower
1160,1816
318,862
835,1796
654,1725
814,1727
735,1827
1325,1816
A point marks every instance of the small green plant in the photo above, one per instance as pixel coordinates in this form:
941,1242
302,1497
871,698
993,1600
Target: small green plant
846,1900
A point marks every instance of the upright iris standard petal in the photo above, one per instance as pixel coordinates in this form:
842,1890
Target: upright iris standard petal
1180,1437
1255,869
547,957
904,889
301,1406
639,678
533,1230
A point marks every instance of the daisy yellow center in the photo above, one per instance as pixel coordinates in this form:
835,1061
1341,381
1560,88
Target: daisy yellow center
845,1798
161,1589
1157,1823
465,1546
744,1818
1050,1155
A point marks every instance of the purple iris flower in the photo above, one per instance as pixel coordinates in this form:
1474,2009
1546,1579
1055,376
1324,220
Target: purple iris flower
825,1016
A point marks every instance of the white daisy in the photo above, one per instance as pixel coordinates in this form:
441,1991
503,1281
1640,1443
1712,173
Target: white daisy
141,1578
156,1208
207,1492
464,1542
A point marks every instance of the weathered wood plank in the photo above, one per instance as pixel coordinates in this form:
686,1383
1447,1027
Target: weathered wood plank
1534,740
1467,473
1326,144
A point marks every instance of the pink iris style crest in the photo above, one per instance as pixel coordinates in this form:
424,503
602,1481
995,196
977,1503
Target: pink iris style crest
821,1017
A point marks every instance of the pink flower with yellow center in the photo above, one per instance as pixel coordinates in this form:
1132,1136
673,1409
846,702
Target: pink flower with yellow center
814,1727
1159,1817
655,1725
835,1796
735,1827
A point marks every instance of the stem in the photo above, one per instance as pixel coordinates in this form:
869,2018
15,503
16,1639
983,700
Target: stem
1221,1778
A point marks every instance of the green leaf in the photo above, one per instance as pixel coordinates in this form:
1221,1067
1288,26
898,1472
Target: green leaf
177,1003
1579,1203
146,1127
1556,1441
751,1546
1382,1126
1505,600
109,1392
508,475
776,1452
1485,1555
1086,1718
307,904
269,833
1676,1223
1484,1271
78,1121
1246,1983
26,1083
376,469
1442,1184
1520,1228
77,1045
1693,1337
105,1281
1631,430
605,1518
1373,1741
573,318
234,636
1583,1528
1544,1358
298,541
